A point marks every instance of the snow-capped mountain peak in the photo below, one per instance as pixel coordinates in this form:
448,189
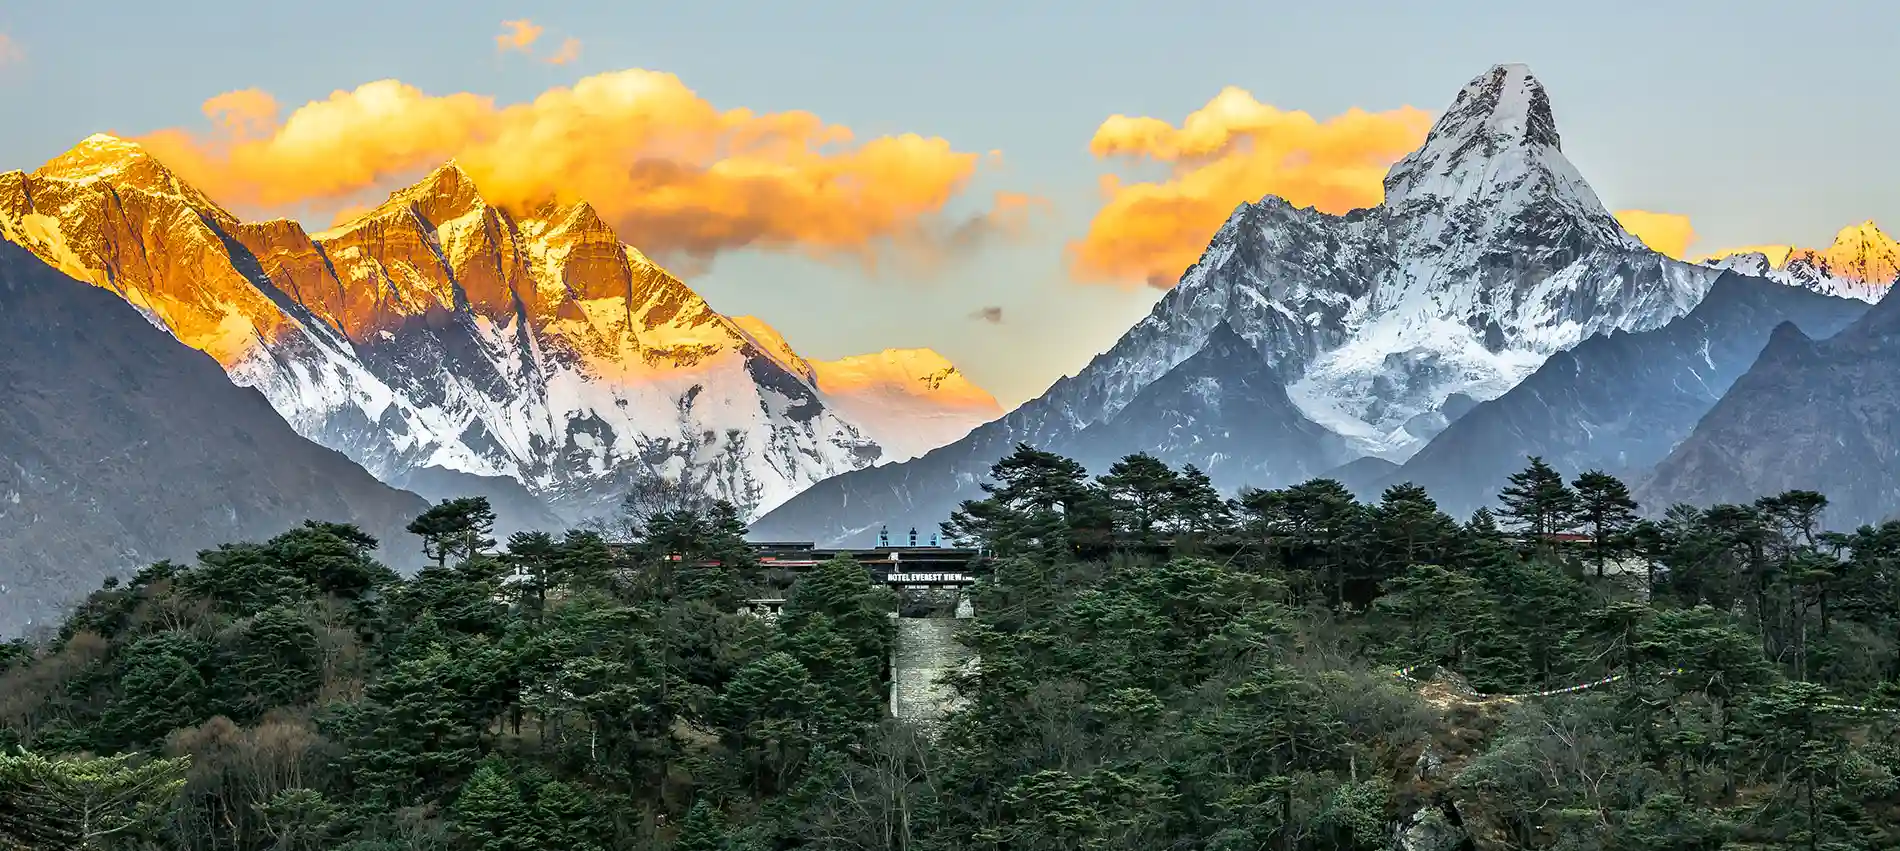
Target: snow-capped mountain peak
1493,157
439,331
1861,254
126,164
1753,263
1488,254
914,372
448,193
1506,104
96,157
908,400
1862,263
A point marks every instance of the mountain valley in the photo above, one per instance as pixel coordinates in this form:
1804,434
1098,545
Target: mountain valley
119,447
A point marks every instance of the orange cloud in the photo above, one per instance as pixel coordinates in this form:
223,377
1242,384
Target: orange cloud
677,175
1667,233
243,113
1234,149
570,51
520,35
1672,234
10,51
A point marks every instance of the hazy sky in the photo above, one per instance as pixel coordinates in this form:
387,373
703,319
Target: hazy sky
1762,122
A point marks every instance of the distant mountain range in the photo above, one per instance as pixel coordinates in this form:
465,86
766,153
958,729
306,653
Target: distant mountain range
119,447
452,346
1809,414
1302,340
1863,264
1489,309
1618,402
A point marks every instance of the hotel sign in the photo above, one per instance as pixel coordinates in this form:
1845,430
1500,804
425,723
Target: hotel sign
896,578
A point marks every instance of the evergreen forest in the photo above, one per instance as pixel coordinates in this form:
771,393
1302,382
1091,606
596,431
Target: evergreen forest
1159,668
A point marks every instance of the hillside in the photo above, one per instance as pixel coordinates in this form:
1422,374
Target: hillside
120,447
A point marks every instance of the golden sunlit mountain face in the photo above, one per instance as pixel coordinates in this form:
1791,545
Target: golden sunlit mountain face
94,211
109,213
431,251
1860,253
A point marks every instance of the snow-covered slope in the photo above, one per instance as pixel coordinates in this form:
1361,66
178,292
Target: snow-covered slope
1863,263
1616,402
908,400
440,332
1488,254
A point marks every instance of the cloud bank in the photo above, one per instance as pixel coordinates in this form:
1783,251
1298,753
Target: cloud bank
1233,150
675,174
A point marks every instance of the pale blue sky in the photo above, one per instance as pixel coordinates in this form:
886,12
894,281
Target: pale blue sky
1764,122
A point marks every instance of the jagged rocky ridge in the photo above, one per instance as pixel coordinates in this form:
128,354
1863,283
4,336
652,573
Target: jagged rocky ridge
1488,254
1618,402
1862,263
120,447
1810,414
450,345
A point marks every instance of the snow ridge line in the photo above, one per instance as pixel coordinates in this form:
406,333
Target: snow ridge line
1405,674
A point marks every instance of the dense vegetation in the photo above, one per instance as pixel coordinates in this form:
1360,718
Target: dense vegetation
1160,669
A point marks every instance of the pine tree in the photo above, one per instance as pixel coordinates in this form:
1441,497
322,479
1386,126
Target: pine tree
301,820
160,690
1317,528
531,557
273,661
1605,508
584,560
335,558
1538,503
1407,529
767,714
1140,490
836,624
455,527
567,818
94,802
1201,510
704,830
490,814
1037,503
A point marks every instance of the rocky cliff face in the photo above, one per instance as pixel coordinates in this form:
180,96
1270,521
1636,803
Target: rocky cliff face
1216,411
440,340
1488,255
119,447
1809,414
1618,402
